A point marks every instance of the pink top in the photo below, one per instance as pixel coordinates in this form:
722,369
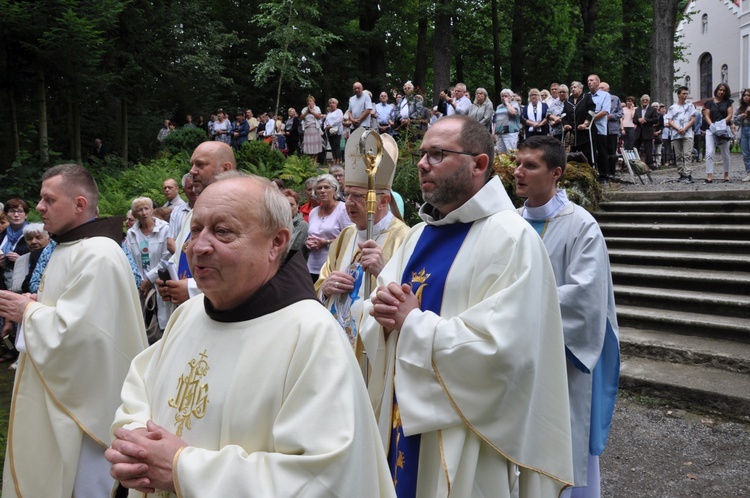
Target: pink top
326,228
627,117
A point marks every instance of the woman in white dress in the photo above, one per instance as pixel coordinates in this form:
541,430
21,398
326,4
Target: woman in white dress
313,141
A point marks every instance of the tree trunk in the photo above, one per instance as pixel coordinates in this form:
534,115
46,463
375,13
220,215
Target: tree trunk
420,72
662,50
442,47
628,16
124,128
459,53
69,126
496,74
588,50
42,102
14,124
517,79
76,137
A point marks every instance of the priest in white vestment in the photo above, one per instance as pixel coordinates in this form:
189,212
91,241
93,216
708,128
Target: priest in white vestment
584,282
77,339
253,390
352,257
465,338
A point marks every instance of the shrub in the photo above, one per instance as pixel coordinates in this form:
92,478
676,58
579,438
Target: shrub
184,140
296,170
259,158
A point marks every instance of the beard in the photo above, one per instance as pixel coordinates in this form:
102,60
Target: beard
449,190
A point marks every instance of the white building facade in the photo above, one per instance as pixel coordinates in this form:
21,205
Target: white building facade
717,41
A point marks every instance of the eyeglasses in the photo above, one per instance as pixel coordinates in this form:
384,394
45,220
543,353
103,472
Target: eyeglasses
436,156
16,211
351,196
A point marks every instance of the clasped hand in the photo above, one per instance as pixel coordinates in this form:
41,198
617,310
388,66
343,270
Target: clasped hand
391,305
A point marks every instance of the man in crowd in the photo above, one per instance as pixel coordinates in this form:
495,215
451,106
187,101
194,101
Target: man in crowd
77,340
459,103
576,247
172,193
681,120
360,107
179,213
644,119
383,112
99,150
553,94
208,161
613,129
352,257
252,124
166,130
603,104
467,382
305,429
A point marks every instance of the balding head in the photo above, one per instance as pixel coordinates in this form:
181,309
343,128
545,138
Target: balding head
208,161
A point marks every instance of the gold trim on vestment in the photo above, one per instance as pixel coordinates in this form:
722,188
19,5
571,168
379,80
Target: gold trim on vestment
444,461
19,374
481,436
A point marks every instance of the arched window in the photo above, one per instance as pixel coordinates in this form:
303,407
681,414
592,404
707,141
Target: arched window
707,82
687,84
704,19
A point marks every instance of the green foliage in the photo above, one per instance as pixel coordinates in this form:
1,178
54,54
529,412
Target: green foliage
579,182
24,177
406,182
118,191
184,139
259,158
296,170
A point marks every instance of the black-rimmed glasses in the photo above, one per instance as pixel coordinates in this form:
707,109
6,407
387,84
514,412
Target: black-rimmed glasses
435,156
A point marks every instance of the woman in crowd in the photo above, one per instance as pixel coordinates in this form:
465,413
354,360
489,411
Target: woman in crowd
627,127
291,133
12,243
313,142
326,222
334,130
147,243
299,226
742,120
482,110
715,110
534,115
507,122
306,208
556,110
222,130
577,120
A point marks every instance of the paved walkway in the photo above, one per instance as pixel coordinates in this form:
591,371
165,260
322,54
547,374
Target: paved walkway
664,179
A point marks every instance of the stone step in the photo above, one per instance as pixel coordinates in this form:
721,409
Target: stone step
676,230
674,217
717,246
680,348
660,206
729,282
711,303
677,195
700,324
689,259
689,385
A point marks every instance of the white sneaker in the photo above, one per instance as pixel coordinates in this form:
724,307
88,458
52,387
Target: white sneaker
747,178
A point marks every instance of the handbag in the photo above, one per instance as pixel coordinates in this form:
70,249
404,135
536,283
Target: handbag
151,318
721,131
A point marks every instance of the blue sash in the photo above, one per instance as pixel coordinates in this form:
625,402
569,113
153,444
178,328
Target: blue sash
427,272
183,270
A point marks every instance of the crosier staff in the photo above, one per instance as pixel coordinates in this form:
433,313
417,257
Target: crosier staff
372,161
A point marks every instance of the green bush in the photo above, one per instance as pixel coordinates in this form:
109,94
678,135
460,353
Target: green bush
184,140
117,191
296,170
259,158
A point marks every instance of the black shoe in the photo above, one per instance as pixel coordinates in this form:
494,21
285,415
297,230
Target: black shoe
685,179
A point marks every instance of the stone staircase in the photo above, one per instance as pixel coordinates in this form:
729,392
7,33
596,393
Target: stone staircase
681,270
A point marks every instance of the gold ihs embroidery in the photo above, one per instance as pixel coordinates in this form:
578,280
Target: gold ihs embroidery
192,396
421,279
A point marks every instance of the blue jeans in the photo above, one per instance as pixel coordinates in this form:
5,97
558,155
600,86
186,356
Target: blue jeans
745,146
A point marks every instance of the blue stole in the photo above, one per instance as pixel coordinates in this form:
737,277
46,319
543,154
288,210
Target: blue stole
426,271
183,270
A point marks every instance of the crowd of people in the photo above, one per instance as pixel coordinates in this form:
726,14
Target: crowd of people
486,335
587,118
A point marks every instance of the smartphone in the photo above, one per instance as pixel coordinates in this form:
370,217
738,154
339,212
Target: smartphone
163,274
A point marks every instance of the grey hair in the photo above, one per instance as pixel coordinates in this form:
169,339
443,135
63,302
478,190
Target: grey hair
141,200
646,96
577,83
563,86
331,181
311,181
506,90
184,179
35,228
